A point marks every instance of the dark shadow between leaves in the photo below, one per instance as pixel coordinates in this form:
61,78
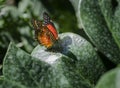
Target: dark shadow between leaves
108,64
114,4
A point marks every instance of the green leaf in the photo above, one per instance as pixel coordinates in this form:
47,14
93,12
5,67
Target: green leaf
97,29
82,62
75,64
10,84
110,80
111,12
21,67
32,72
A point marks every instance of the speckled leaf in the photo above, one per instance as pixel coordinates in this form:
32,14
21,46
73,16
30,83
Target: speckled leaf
96,28
10,84
110,80
21,67
34,73
82,65
111,12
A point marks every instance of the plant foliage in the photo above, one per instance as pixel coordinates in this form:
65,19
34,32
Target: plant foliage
74,61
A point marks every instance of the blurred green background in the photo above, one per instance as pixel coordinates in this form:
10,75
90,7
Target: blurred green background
16,16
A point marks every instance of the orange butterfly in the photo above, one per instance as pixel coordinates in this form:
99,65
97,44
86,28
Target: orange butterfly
45,31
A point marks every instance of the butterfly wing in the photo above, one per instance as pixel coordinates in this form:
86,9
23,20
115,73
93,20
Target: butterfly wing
43,34
50,25
37,27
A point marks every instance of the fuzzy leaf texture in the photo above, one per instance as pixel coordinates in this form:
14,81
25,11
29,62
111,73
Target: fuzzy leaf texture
75,66
110,80
97,25
111,12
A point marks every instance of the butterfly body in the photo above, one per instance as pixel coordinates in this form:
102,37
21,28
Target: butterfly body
45,32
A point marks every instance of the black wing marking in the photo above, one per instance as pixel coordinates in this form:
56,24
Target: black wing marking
46,18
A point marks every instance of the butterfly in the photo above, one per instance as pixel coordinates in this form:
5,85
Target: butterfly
45,31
